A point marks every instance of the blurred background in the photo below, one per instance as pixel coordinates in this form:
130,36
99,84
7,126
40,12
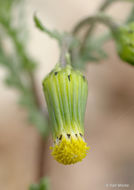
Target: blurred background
109,121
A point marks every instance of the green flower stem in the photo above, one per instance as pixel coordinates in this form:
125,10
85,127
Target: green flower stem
53,34
101,18
107,3
102,8
64,50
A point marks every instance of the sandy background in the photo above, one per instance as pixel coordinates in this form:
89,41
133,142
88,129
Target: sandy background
109,119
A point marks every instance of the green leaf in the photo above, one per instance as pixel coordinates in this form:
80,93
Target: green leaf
34,187
44,184
53,34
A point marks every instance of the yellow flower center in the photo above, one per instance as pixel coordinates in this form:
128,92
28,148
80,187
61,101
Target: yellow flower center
69,149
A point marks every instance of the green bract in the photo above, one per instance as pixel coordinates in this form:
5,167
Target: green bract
125,43
66,92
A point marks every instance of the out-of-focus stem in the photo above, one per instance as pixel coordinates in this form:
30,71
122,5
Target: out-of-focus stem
42,143
97,18
102,8
107,3
64,50
36,94
41,164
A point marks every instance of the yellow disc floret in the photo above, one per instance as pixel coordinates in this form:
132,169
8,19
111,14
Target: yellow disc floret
69,149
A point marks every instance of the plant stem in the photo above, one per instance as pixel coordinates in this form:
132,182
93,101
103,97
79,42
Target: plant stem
107,3
36,94
102,8
97,18
42,143
64,50
65,44
41,162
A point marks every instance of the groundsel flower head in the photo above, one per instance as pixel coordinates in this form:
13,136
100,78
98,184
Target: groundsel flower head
66,92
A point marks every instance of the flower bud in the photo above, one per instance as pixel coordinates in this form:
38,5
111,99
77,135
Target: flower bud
66,92
125,43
